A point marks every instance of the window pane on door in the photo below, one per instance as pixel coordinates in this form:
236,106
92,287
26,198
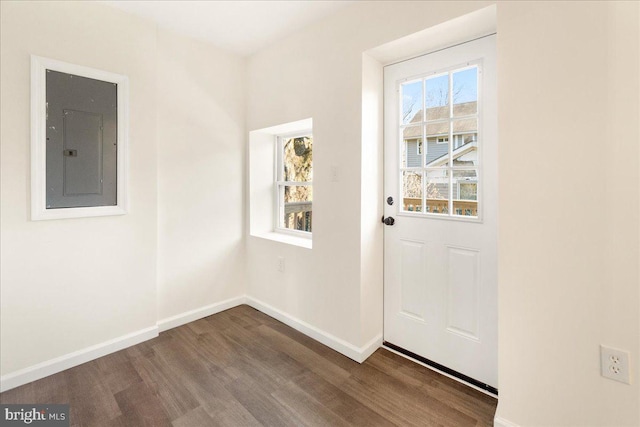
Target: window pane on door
437,97
440,143
465,92
465,192
437,195
412,147
437,135
465,147
411,102
412,191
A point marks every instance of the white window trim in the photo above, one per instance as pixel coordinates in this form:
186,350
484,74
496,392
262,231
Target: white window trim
278,203
39,211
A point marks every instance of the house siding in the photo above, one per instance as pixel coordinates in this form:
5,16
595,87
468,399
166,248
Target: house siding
434,151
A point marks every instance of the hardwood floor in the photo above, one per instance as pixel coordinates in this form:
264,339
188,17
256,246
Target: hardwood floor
243,368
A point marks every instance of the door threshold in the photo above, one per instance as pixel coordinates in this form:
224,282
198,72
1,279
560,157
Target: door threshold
447,372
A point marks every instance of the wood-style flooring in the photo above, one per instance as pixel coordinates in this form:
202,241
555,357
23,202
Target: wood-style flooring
243,368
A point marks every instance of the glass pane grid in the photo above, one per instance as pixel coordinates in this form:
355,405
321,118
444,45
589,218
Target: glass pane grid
449,121
296,207
412,146
412,191
411,96
297,159
295,183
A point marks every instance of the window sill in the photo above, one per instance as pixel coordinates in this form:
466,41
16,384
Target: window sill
302,242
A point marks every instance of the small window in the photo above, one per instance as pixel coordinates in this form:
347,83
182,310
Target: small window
294,183
443,140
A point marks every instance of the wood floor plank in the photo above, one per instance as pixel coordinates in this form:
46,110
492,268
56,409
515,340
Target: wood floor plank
221,405
196,417
25,393
117,371
264,408
338,401
307,357
306,408
382,391
244,368
90,400
329,354
466,399
160,376
141,407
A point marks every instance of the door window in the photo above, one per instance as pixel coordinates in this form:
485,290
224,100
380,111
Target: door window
439,168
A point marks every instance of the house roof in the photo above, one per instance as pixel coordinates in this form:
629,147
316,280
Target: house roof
458,152
442,128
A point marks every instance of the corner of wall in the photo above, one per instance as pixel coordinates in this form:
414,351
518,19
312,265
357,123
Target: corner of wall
371,188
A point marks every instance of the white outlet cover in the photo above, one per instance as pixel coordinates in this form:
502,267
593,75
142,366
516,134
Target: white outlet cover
614,364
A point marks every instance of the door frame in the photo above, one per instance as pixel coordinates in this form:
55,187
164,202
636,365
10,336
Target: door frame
478,385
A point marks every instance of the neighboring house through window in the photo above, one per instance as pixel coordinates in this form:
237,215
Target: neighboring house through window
439,139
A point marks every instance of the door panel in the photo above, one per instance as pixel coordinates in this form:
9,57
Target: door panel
413,298
462,301
441,165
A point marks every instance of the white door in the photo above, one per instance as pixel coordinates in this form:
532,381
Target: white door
441,188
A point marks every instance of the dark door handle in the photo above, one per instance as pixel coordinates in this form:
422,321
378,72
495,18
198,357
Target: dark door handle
388,220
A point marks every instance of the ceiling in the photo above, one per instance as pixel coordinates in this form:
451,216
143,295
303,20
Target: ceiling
242,27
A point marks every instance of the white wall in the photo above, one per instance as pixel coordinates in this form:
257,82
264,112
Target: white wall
67,285
568,99
200,175
318,73
371,188
568,262
568,114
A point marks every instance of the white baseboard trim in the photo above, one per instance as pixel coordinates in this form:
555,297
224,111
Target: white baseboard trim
199,313
369,348
59,364
53,366
501,422
339,345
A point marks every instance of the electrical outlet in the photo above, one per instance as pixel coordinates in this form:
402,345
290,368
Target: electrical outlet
281,264
614,364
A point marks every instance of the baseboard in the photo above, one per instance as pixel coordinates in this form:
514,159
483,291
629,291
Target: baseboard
339,345
199,313
501,422
370,348
53,366
59,364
